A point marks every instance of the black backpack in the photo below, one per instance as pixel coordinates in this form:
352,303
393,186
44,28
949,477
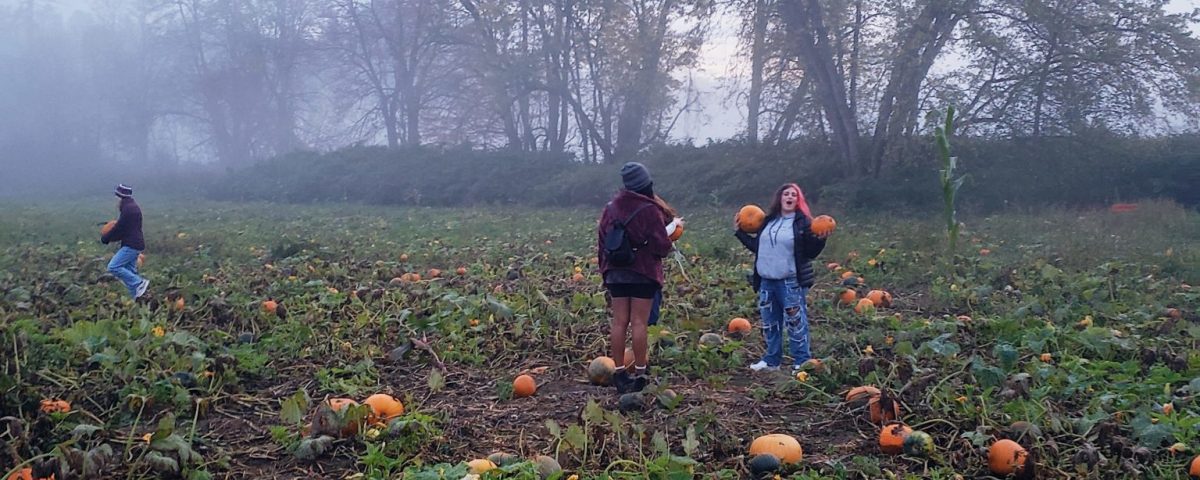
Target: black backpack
617,247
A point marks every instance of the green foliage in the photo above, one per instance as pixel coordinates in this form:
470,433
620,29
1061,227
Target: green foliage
950,183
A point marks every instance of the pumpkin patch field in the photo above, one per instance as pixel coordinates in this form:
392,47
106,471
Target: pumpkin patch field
283,341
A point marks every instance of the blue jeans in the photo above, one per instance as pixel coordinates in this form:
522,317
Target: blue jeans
124,266
782,302
654,308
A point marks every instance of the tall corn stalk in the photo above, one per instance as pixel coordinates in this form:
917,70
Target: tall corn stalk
950,184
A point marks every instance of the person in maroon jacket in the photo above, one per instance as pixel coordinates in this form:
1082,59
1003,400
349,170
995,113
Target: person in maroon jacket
128,230
633,285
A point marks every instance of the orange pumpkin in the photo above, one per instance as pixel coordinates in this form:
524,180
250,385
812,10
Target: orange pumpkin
269,306
863,393
883,409
739,326
823,225
340,405
677,233
384,407
750,218
1194,468
864,306
434,273
848,296
847,274
880,298
891,437
179,304
832,266
403,257
783,447
108,226
22,474
578,278
55,406
461,271
524,386
1006,457
601,370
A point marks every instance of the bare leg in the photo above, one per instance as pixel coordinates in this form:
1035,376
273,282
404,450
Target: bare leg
639,316
620,324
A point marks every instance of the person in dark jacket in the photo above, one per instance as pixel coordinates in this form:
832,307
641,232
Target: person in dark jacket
633,286
128,230
783,251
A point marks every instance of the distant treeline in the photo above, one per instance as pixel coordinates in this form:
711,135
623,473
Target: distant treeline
1003,174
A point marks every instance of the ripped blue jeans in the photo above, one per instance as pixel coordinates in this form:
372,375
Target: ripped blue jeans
782,302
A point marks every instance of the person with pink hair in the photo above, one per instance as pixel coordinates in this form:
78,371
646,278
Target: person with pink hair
784,248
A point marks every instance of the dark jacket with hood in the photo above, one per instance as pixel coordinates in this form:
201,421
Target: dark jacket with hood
807,247
128,228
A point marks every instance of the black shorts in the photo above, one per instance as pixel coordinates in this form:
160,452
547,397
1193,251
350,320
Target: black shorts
635,290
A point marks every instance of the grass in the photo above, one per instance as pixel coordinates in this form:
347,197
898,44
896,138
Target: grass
227,389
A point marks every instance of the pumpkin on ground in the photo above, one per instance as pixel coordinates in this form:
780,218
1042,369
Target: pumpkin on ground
601,370
848,296
461,271
1006,457
861,394
783,447
711,340
880,298
340,408
547,466
434,273
892,436
384,407
1194,468
55,406
823,225
524,386
864,307
503,459
750,218
269,306
883,409
918,444
739,326
480,465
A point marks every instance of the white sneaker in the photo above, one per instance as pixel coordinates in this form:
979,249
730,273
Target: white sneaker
141,289
762,366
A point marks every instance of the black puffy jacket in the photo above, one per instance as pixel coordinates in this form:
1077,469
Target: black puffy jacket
808,246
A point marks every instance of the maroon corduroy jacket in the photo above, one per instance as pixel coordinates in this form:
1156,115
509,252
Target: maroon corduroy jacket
645,230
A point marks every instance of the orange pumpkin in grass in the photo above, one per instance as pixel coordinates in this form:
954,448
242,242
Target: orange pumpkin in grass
1006,457
823,225
750,218
601,370
739,326
883,409
524,386
864,306
1194,468
384,407
891,437
55,405
434,273
848,296
783,447
461,271
861,394
340,405
880,298
270,306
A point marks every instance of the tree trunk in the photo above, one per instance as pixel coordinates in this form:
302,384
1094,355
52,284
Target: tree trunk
810,37
758,59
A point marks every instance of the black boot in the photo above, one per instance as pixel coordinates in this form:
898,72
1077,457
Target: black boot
639,380
622,381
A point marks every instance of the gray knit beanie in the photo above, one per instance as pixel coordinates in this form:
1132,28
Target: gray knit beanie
635,176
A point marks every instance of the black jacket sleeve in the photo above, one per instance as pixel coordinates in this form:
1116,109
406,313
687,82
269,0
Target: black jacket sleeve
813,245
748,241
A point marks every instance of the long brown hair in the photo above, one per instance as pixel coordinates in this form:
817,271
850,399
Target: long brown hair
777,205
669,213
